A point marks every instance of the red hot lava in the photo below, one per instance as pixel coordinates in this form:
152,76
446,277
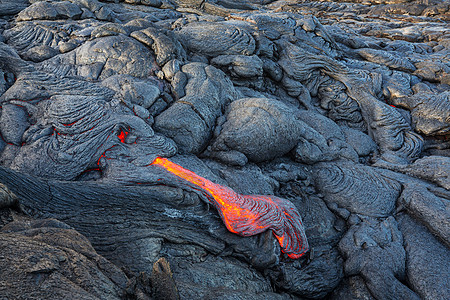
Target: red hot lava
122,135
248,215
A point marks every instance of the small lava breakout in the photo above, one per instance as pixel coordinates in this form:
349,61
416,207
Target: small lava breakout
248,215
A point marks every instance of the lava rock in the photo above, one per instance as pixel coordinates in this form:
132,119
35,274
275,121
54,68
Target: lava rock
375,251
426,260
46,258
357,188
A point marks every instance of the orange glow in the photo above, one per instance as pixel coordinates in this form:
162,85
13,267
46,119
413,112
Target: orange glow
248,215
122,135
103,154
70,124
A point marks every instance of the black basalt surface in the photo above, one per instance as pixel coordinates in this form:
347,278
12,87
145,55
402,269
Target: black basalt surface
340,107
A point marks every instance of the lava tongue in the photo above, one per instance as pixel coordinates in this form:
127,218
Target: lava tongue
248,215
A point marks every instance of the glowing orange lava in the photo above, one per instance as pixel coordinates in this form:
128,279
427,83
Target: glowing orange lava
248,215
122,135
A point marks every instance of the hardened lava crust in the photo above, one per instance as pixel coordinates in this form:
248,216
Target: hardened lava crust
224,149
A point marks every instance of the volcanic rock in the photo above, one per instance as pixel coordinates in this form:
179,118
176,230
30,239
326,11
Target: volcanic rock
224,149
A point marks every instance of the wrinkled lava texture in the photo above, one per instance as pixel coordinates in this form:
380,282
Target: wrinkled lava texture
224,149
248,215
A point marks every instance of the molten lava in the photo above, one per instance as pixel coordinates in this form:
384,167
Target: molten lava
248,215
122,135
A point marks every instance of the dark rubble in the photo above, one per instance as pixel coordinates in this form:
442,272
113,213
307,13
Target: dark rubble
342,108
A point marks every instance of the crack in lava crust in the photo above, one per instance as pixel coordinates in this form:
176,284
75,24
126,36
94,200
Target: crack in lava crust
248,215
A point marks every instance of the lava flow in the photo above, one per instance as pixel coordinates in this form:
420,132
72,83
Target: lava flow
248,215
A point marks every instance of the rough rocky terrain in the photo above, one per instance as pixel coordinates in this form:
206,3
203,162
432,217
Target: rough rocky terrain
338,110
